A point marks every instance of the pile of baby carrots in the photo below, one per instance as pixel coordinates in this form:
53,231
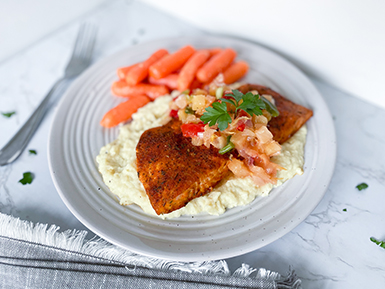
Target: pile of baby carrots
186,68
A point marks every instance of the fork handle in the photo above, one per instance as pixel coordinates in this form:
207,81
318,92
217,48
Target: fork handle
12,150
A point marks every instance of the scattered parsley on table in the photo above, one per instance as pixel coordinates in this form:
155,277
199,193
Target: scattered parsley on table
27,178
32,152
344,210
378,242
362,186
8,114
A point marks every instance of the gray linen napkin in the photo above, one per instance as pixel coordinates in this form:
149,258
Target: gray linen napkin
38,256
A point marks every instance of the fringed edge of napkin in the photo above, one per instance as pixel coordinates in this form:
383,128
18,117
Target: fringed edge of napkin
75,241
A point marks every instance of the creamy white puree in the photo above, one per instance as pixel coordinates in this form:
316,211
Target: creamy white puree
117,166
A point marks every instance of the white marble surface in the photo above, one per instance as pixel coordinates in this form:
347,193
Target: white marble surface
330,249
30,18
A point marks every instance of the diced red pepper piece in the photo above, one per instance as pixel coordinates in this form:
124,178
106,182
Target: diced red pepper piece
241,127
174,113
192,129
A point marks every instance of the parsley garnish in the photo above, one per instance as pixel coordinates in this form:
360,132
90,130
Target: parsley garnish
249,102
32,152
8,114
271,108
378,242
344,210
217,114
362,186
27,178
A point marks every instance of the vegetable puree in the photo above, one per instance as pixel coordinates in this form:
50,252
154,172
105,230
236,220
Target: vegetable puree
117,166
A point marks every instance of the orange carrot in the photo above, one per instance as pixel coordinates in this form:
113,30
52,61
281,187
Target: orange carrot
140,71
215,65
188,71
121,88
235,71
122,71
171,81
123,111
215,50
171,62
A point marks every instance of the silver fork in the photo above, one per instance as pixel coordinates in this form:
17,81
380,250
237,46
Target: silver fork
80,60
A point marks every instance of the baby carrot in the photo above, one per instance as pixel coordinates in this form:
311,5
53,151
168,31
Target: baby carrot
123,111
235,71
121,88
215,65
214,51
188,71
122,71
171,62
140,71
171,81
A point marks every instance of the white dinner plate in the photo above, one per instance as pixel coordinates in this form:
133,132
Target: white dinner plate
76,138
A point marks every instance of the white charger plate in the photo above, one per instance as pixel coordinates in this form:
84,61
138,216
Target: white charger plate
76,138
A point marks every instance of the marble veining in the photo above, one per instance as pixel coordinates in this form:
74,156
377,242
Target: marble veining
7,204
329,249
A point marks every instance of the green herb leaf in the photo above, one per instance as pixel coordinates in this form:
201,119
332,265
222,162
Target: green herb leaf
378,242
32,152
230,101
8,114
271,108
217,114
27,178
252,104
362,186
236,94
344,210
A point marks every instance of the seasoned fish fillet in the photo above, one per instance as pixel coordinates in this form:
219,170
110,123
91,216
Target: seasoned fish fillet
291,117
173,171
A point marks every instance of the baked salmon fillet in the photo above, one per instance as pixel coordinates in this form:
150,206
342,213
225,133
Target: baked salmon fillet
291,117
173,171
